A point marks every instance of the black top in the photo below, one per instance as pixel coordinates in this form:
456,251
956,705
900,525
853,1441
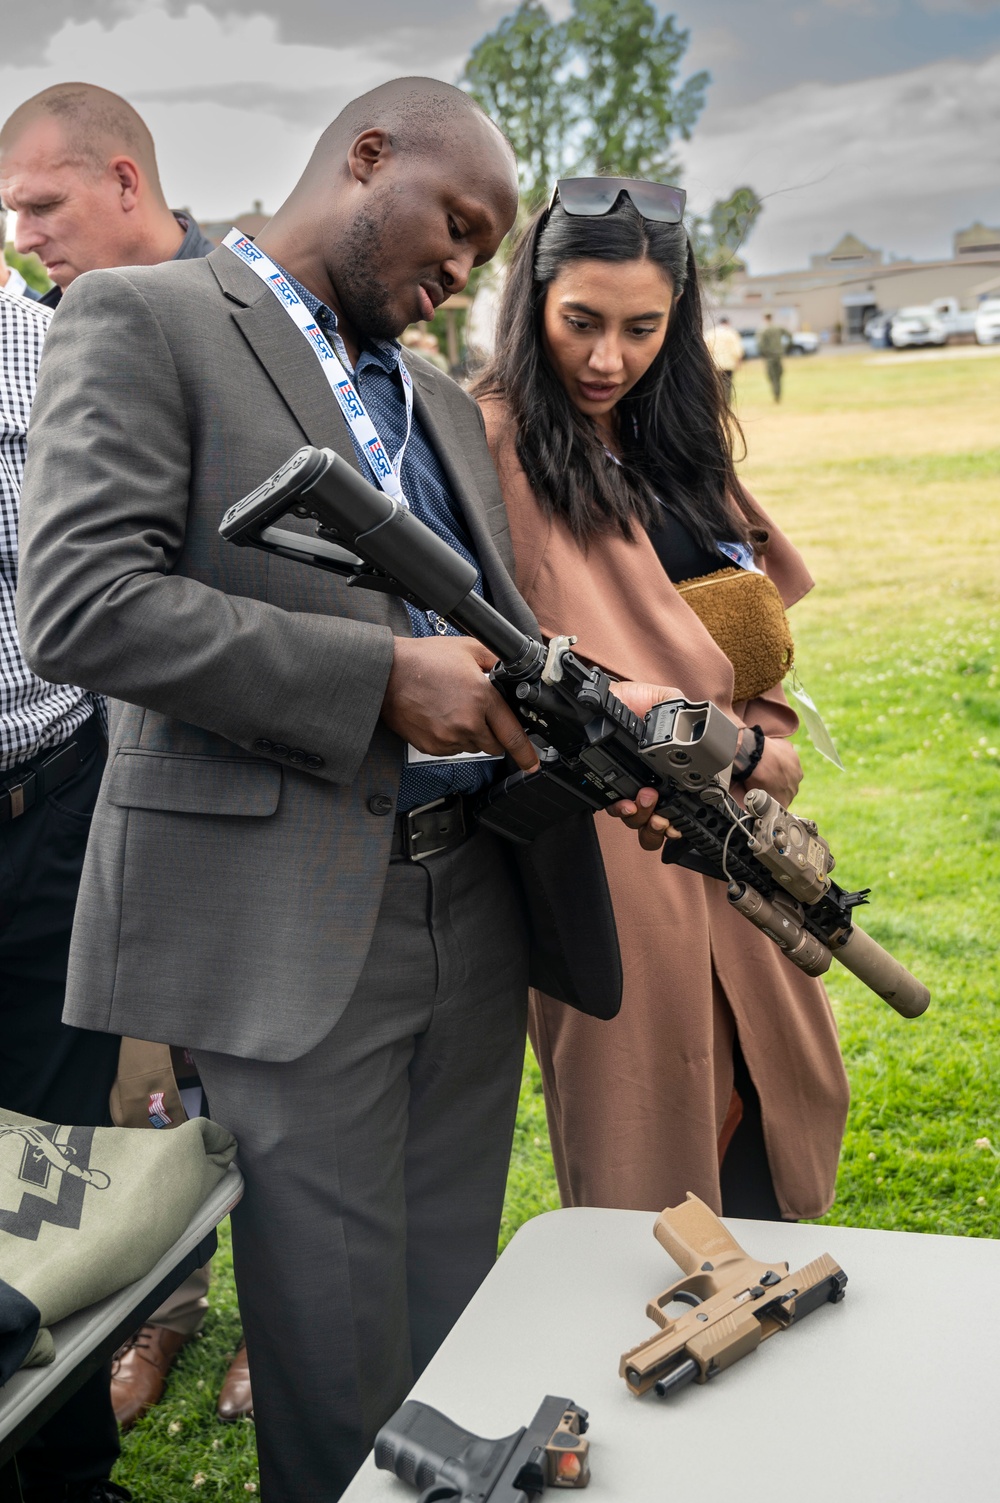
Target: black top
680,553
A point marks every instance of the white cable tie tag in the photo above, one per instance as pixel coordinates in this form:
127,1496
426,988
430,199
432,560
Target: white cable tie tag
813,721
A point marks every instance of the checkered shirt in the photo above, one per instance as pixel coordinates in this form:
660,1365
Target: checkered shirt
34,715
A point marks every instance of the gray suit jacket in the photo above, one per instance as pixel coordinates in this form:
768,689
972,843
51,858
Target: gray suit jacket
228,897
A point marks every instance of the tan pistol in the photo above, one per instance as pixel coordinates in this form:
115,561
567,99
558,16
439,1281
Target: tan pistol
729,1302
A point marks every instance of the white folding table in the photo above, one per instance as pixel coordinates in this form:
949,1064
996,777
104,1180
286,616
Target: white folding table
892,1396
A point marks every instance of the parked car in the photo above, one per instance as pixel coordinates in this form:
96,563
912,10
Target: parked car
877,330
917,326
956,320
988,321
803,342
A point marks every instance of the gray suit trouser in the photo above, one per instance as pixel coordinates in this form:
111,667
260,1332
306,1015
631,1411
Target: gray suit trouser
375,1167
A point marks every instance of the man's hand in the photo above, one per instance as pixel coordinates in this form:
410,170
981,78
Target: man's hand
440,699
779,771
637,813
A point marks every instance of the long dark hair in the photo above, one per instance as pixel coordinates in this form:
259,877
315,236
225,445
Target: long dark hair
675,427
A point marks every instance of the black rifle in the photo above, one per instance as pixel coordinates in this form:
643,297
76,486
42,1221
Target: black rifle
592,749
429,1451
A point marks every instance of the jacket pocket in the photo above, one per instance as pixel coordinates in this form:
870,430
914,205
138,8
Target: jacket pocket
180,784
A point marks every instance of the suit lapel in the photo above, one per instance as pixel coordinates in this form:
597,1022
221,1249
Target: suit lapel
491,543
285,355
298,377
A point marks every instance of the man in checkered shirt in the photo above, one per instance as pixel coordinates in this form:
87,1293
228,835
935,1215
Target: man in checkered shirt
53,736
51,760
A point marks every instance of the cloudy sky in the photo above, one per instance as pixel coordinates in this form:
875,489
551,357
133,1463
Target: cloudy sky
878,116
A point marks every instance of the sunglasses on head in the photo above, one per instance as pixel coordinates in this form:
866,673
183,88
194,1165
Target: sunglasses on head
590,197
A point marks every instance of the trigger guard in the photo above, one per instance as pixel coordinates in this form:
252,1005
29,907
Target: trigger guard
655,1308
440,1492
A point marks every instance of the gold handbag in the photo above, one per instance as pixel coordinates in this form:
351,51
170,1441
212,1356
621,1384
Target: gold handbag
744,614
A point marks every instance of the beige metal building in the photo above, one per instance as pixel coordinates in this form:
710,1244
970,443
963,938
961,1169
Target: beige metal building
844,287
250,223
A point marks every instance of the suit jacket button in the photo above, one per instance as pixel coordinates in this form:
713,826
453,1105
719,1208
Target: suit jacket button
280,749
313,761
381,803
296,755
263,745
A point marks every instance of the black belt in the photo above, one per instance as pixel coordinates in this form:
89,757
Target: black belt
431,829
25,785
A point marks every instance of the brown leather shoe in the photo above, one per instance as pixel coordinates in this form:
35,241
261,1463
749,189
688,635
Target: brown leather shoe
139,1372
236,1400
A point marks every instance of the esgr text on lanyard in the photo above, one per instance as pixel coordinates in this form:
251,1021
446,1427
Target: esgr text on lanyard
386,471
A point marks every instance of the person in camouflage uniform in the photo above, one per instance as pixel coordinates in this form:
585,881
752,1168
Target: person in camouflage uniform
772,342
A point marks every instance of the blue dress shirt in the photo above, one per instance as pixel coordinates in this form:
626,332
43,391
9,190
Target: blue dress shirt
425,486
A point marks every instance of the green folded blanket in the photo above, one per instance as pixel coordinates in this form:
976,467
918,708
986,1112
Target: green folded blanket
84,1211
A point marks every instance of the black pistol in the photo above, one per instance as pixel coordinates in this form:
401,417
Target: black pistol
430,1452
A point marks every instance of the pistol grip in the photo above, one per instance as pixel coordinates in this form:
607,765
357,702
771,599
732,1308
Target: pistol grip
693,1235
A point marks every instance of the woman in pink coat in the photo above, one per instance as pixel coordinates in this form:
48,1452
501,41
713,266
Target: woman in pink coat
722,1073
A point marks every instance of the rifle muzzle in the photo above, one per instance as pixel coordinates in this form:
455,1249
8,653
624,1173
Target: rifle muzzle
865,958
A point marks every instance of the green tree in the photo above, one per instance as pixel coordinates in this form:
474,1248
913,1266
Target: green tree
30,268
515,73
598,92
601,93
626,63
719,235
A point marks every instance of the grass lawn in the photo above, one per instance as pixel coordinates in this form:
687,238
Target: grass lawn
888,477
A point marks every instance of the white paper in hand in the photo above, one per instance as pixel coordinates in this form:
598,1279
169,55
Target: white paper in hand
413,757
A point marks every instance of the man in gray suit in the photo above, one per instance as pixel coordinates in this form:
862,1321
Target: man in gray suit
255,884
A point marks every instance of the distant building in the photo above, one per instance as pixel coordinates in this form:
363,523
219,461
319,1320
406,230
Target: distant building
849,252
844,287
250,223
976,240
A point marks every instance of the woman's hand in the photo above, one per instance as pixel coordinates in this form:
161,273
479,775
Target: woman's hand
638,813
779,771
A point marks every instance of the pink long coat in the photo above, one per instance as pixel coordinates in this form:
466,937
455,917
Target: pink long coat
636,1105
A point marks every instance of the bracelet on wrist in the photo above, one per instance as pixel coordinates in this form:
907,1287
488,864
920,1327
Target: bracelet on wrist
745,761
